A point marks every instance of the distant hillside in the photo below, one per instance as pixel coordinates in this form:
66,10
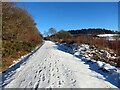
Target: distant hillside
92,32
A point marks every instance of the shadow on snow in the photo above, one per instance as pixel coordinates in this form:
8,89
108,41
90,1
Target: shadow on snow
94,67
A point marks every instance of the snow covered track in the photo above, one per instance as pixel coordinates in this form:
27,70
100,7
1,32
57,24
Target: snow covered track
51,67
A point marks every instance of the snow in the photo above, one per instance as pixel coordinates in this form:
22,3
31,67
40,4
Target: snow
108,35
52,66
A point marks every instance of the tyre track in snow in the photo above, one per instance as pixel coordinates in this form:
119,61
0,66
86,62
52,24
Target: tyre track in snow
51,67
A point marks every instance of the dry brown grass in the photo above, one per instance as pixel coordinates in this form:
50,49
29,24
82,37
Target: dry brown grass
100,43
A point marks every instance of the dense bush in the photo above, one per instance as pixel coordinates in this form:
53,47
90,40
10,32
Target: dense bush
62,35
19,33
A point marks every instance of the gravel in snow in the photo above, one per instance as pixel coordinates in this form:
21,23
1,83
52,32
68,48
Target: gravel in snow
51,67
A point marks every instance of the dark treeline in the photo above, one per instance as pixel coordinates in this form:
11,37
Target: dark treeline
19,33
92,31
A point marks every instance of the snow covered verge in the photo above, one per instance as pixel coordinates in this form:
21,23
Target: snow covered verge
96,59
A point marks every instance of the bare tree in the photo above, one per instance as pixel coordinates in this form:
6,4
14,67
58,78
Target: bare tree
52,31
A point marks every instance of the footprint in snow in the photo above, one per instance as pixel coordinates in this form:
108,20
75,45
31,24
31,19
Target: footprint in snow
53,83
57,70
36,84
52,69
58,77
73,81
35,76
43,74
48,81
53,75
59,83
49,88
36,71
30,83
40,71
67,75
43,78
55,62
40,75
44,67
23,80
74,85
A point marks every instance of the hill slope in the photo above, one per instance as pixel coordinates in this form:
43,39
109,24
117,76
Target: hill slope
91,31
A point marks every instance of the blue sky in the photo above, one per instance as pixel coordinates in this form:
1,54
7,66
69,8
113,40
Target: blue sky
73,15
